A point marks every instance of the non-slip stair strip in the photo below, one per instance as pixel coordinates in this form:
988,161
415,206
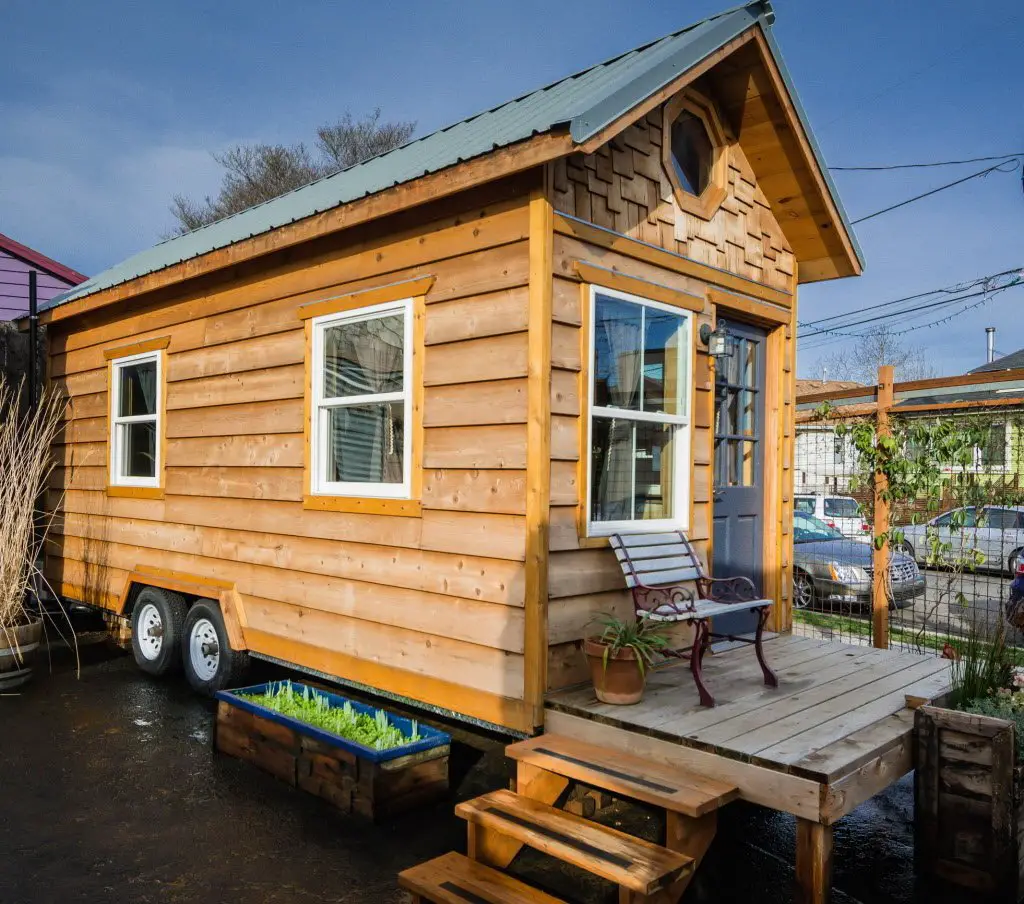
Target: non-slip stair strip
606,770
582,846
471,896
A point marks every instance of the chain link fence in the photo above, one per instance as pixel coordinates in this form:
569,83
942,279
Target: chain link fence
952,503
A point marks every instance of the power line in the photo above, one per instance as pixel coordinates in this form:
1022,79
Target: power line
956,287
1015,165
899,166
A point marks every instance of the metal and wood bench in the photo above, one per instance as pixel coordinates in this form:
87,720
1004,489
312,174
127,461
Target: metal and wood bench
668,584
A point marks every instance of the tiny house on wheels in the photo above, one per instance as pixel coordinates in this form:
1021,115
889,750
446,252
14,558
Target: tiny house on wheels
381,427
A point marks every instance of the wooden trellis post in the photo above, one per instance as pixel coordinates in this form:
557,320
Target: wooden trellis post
880,557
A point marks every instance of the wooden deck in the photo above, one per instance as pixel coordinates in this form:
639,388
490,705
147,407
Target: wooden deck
836,731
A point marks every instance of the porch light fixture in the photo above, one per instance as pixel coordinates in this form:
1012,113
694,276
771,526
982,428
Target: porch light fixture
716,340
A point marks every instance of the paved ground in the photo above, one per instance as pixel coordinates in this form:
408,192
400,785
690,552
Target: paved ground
110,792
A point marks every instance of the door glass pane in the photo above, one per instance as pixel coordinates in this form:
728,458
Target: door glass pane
137,389
748,363
747,455
665,381
365,443
364,357
618,353
631,474
745,421
138,449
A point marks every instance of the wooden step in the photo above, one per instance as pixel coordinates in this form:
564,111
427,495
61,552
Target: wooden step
627,861
625,775
454,879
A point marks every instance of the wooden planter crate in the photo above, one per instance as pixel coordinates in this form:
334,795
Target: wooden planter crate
351,777
968,794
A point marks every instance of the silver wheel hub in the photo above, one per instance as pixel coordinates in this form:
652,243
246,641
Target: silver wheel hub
150,630
801,593
204,649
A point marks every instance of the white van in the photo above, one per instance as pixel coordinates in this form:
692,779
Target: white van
843,513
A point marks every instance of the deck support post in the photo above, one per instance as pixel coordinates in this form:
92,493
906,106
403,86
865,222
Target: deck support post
813,862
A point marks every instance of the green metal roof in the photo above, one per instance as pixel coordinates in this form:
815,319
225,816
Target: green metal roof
583,103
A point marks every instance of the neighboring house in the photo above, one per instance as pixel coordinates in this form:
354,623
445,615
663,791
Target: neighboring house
52,278
823,461
517,304
16,260
994,400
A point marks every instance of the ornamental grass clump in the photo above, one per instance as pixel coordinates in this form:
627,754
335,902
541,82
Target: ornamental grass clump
25,465
375,731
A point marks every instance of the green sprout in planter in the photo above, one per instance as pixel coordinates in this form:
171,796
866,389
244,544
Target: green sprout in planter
345,721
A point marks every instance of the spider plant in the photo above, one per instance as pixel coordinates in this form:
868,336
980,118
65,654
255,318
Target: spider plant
644,637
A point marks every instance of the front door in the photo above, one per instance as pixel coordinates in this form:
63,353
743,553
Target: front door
738,500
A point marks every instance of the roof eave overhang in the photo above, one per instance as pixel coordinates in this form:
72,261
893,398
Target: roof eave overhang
462,176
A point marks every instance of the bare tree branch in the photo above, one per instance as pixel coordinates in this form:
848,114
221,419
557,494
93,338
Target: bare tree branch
860,362
254,173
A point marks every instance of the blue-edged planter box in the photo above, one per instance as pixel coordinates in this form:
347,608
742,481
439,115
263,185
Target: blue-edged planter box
352,777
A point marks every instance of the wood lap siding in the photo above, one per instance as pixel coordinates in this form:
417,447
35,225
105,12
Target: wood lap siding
440,595
622,187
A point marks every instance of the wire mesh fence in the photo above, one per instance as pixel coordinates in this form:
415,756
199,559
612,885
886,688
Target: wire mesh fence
950,490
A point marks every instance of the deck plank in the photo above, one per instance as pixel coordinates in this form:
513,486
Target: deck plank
731,676
814,704
873,709
821,683
795,677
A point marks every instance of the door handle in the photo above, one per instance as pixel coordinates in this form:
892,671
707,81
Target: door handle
716,497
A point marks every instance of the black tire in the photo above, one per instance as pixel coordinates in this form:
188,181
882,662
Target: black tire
908,550
803,590
160,610
206,669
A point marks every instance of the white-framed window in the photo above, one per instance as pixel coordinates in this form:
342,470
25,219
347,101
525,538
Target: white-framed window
361,412
994,452
638,466
135,415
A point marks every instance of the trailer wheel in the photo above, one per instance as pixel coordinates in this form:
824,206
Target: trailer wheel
210,662
157,620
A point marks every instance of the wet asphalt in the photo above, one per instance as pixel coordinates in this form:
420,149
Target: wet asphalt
110,791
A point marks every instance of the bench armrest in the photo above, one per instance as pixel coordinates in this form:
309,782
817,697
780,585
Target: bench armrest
727,590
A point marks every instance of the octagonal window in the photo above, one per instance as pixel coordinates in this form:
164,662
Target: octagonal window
692,153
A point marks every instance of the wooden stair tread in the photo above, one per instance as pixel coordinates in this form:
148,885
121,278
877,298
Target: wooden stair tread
627,861
455,879
621,773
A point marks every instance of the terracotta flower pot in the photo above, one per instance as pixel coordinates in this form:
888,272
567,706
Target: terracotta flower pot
621,682
17,645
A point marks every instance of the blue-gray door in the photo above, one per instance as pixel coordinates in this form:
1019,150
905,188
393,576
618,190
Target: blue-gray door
738,500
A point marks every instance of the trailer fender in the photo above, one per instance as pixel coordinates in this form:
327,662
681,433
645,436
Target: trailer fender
225,593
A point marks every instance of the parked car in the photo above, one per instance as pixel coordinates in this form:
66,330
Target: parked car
995,533
841,512
829,568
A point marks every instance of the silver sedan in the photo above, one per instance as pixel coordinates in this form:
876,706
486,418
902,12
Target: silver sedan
990,538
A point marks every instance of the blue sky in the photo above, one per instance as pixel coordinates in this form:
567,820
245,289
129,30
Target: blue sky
110,109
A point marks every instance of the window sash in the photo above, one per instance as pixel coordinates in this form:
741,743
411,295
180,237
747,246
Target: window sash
680,424
322,405
116,437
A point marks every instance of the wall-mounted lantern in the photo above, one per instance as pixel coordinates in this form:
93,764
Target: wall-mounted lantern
717,340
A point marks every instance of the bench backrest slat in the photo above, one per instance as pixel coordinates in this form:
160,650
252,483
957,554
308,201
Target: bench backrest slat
661,559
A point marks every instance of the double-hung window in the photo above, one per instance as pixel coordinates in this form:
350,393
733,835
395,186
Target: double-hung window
640,382
361,402
135,409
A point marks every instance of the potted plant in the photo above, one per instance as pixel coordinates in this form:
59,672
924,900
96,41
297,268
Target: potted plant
26,434
620,655
969,778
